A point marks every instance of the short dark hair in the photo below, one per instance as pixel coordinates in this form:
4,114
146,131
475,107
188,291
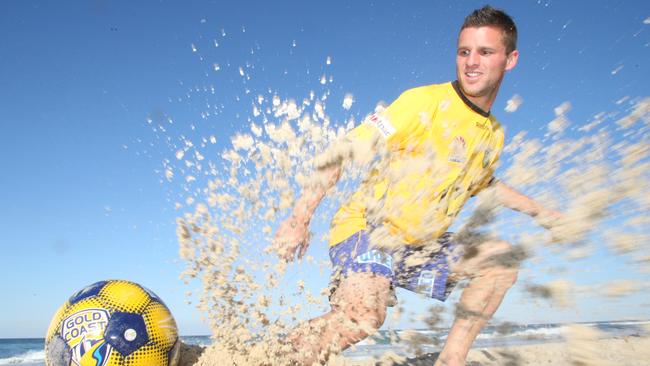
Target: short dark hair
488,16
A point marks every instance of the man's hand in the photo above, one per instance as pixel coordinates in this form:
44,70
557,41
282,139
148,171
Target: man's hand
292,236
509,197
549,219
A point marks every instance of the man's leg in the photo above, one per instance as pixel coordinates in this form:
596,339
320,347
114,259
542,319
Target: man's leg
358,309
490,277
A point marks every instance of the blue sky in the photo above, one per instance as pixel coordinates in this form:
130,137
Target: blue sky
83,194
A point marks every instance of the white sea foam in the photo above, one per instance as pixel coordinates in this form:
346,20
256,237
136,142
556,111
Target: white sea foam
27,357
537,333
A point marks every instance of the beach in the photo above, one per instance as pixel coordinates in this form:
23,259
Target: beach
628,350
597,343
579,346
615,351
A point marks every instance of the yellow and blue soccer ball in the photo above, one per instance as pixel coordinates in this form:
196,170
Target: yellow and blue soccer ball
111,323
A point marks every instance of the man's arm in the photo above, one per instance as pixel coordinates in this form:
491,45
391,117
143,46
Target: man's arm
293,233
512,199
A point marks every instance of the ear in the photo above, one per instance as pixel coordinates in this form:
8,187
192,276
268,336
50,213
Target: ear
511,60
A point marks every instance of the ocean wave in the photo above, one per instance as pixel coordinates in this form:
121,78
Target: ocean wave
27,357
496,334
535,333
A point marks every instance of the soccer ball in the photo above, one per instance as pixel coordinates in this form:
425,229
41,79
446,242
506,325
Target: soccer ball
112,323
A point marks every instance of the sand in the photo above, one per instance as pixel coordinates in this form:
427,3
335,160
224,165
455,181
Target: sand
629,350
600,352
615,351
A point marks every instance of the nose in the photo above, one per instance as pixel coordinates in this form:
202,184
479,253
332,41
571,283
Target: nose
472,58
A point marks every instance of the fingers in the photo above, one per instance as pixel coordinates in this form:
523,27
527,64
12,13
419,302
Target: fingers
303,249
290,239
290,253
550,218
285,250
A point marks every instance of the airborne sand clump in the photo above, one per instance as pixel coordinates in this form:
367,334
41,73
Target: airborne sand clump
597,173
227,239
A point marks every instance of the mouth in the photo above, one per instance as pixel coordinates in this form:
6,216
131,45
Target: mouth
472,75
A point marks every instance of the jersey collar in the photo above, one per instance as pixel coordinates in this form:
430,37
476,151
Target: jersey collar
468,102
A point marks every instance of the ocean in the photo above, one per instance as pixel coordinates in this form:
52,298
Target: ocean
29,351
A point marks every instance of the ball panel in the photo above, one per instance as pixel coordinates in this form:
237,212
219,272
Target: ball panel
85,304
56,322
124,296
160,325
126,332
152,295
57,352
96,354
149,354
87,291
174,354
115,359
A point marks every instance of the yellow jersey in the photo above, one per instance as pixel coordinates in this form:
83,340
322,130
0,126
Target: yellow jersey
442,150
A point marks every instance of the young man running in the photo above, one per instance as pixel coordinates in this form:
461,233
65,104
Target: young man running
442,144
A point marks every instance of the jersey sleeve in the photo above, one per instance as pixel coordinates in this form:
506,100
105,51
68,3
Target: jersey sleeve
488,180
395,122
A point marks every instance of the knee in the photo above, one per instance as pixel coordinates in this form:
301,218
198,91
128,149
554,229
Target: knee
502,260
508,276
366,316
505,255
361,316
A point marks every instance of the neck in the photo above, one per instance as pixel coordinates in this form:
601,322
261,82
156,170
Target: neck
485,102
470,102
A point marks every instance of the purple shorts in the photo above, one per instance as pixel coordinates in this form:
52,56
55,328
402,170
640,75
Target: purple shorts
428,277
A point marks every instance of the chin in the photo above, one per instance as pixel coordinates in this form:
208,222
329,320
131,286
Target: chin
471,90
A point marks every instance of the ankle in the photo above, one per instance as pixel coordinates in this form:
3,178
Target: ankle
450,359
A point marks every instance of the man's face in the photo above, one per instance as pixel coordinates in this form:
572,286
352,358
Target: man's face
481,62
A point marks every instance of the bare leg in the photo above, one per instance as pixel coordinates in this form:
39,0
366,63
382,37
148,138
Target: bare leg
358,309
489,282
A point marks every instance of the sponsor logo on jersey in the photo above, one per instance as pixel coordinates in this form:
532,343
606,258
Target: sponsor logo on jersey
457,150
83,331
382,124
481,125
376,257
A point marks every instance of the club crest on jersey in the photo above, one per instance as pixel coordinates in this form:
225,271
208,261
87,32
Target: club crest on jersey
382,124
457,150
487,157
83,331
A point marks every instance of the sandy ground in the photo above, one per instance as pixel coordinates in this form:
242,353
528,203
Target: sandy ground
631,350
601,352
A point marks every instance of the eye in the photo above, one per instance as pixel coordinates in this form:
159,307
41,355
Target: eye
463,52
486,52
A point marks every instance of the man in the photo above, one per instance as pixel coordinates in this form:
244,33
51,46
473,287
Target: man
391,232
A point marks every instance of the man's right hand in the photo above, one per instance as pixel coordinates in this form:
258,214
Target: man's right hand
292,236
